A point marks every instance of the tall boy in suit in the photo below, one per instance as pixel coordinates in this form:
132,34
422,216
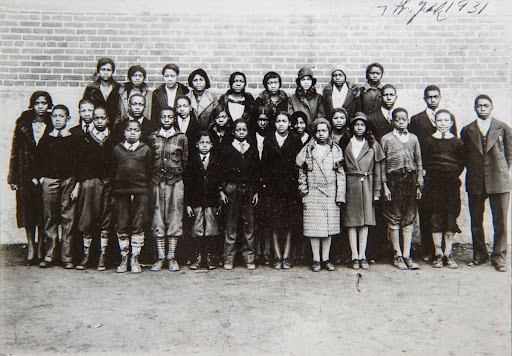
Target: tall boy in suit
488,154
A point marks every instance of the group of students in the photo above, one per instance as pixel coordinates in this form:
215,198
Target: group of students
259,175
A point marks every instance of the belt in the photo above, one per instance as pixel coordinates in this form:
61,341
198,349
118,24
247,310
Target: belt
361,174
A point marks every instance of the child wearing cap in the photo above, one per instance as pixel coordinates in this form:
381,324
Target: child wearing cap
306,99
322,187
166,94
340,93
362,166
135,85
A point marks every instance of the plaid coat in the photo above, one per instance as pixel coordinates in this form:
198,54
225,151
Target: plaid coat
322,184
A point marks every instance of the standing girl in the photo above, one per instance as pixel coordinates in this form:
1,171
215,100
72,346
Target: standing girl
299,123
362,167
134,85
322,186
104,91
279,152
30,127
306,99
339,93
202,101
443,161
236,100
339,120
273,97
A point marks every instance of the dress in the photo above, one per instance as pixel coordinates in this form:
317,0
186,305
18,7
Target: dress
322,184
363,178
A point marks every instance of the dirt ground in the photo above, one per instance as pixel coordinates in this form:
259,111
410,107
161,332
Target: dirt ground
296,312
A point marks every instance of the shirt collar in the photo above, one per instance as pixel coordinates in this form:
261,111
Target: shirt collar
367,86
134,147
439,134
64,132
99,134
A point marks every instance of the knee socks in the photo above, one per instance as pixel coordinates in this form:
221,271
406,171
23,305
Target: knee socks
173,242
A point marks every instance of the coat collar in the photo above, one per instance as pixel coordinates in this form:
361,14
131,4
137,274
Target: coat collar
206,101
474,133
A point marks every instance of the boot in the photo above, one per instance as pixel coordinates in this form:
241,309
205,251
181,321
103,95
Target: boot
123,267
103,244
160,247
137,243
197,263
87,244
124,246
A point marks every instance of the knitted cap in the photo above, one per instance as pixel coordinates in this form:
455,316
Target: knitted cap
338,67
134,69
172,66
319,121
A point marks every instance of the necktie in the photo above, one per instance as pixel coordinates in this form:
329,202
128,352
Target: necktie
389,116
59,134
204,161
241,147
131,147
443,135
86,128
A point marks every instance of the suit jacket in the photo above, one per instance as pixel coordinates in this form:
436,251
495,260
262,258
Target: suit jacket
124,104
351,104
422,127
159,100
488,168
192,132
379,125
202,185
77,130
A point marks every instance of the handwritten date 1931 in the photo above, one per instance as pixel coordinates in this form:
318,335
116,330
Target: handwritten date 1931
440,11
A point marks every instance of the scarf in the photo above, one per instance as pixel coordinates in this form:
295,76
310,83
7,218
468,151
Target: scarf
309,94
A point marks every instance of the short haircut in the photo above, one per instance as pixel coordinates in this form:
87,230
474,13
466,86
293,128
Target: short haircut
61,107
284,113
201,73
167,108
272,75
183,97
101,108
240,121
262,110
397,110
445,111
203,134
103,61
217,110
431,88
35,95
343,110
172,66
232,78
371,65
388,86
296,115
136,95
483,97
136,122
85,101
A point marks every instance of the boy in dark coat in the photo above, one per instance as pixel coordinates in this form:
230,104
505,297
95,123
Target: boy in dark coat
202,201
488,153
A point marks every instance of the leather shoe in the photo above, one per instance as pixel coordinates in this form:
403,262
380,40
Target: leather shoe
501,268
477,262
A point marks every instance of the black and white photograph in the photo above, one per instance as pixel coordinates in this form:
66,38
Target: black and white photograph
287,177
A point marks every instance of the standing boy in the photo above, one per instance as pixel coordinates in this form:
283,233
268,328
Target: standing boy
239,192
381,120
93,177
85,112
423,125
137,105
402,181
488,154
56,156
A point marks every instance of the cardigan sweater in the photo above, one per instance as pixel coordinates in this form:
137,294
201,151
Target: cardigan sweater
94,157
401,156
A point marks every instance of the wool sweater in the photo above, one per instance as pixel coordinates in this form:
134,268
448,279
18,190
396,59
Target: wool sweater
171,156
95,158
131,169
401,157
57,157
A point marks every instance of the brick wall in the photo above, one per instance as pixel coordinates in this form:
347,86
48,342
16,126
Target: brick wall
56,46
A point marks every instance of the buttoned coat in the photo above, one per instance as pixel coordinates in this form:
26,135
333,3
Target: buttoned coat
111,102
313,108
202,184
363,182
203,109
352,103
159,100
379,125
487,168
322,184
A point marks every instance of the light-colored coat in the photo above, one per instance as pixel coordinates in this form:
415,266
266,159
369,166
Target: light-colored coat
203,109
363,182
323,186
